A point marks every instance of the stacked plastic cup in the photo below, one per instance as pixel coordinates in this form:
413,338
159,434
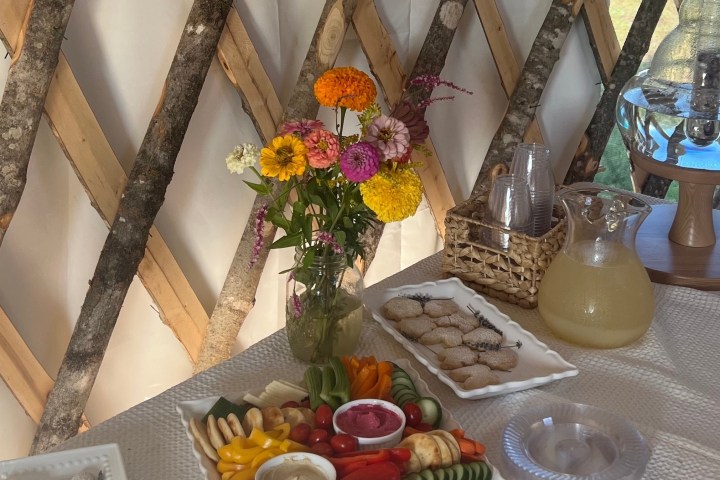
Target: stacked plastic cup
508,208
531,161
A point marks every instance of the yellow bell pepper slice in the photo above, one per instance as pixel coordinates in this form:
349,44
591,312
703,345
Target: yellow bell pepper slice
248,474
284,431
263,439
224,466
264,457
288,445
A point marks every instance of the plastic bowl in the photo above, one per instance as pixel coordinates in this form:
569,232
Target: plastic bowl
365,442
571,441
296,459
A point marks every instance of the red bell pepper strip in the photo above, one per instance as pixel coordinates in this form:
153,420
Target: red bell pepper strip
382,470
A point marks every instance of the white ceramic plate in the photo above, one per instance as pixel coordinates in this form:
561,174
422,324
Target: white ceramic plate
66,464
537,364
198,408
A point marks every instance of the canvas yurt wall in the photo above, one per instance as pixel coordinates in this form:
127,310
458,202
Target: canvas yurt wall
120,52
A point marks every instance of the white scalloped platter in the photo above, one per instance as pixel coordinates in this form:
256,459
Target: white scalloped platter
67,464
198,408
537,364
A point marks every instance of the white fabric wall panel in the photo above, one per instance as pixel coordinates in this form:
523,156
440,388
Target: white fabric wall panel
120,53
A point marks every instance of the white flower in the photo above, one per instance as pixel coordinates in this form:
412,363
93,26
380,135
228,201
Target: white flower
242,157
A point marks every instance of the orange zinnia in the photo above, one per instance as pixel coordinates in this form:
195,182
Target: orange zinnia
345,87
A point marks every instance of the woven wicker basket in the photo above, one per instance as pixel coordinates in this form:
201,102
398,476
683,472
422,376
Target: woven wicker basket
514,275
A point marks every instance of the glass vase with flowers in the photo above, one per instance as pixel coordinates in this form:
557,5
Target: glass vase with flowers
332,187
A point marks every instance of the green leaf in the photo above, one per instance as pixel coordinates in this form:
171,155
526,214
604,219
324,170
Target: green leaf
307,228
260,188
309,258
292,240
279,220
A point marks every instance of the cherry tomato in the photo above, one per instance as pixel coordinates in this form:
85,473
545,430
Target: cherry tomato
342,442
423,427
322,448
324,417
318,435
413,414
290,404
300,433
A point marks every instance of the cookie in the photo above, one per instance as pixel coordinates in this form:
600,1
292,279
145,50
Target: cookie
504,359
463,321
447,336
480,381
400,307
463,373
481,338
414,328
457,357
440,308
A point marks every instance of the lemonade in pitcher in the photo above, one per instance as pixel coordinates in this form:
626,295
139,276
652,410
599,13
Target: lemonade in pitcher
596,292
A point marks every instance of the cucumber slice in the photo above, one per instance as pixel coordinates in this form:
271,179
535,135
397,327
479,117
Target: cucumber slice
405,397
396,390
476,470
487,473
431,409
427,474
460,472
440,474
405,381
413,476
450,474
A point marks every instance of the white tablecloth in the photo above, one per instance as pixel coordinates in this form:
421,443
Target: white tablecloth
666,384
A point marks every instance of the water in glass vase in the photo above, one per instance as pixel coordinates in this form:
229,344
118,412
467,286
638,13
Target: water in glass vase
321,332
597,294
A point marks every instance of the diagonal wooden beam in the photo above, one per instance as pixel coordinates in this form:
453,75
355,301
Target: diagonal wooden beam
99,171
382,58
544,53
508,66
25,377
139,204
243,68
603,39
238,293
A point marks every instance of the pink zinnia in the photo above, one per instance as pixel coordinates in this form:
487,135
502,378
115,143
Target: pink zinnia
389,135
360,161
302,128
323,148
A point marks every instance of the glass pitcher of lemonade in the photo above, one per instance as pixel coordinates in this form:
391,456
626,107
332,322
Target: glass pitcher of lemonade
596,292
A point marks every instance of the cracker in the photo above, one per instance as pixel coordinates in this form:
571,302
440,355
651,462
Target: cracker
481,381
463,373
464,322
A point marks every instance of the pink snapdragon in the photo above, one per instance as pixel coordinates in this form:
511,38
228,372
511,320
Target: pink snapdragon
259,235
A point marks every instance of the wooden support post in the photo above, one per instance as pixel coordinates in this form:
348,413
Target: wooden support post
598,132
238,293
99,171
125,245
544,53
28,80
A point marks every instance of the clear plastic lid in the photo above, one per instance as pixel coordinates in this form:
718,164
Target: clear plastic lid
569,441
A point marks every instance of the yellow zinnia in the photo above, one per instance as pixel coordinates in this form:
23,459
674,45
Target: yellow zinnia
393,194
345,87
284,157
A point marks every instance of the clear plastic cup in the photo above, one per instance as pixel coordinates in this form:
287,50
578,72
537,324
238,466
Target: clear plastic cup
531,161
509,208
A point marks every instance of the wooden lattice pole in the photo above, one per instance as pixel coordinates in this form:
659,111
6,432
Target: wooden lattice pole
603,39
28,80
237,296
382,59
544,53
125,245
585,164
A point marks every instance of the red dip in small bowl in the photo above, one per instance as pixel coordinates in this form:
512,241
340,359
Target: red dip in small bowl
368,421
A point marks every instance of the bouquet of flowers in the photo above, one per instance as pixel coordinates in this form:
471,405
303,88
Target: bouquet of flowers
332,188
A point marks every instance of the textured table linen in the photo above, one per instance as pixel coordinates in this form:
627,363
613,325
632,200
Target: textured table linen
667,384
